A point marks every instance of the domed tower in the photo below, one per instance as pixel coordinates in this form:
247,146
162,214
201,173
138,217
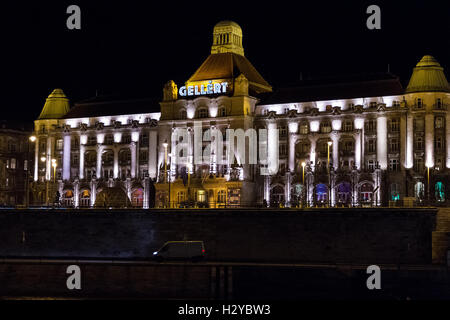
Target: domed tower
428,76
56,106
227,37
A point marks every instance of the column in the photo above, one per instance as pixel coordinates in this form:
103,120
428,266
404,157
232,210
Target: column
429,140
66,157
447,138
152,153
287,189
76,193
145,203
36,159
116,163
312,154
48,164
93,191
358,136
335,139
382,142
402,140
82,150
410,141
172,159
133,159
292,138
99,172
272,148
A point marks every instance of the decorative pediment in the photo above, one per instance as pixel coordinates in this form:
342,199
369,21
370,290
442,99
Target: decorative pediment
314,111
66,128
153,123
336,110
83,126
134,123
381,107
117,124
271,115
292,113
99,125
358,108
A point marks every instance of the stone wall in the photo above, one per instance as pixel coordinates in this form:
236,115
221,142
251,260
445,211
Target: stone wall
372,236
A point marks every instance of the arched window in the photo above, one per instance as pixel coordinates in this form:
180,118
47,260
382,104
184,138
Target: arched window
439,123
366,192
304,128
439,191
419,189
395,193
202,113
325,126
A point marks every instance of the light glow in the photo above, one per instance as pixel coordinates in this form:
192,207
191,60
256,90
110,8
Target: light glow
314,125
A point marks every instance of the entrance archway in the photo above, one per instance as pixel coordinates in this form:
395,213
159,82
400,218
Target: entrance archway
344,193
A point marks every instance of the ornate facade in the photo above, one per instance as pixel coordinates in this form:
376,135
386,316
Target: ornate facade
356,141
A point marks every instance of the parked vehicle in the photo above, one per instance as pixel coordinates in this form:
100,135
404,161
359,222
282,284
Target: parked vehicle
181,250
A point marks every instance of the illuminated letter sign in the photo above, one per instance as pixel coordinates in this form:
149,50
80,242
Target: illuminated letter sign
199,90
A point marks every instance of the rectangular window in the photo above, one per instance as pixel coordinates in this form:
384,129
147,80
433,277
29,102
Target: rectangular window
394,165
393,144
283,150
371,146
25,165
371,164
395,125
59,144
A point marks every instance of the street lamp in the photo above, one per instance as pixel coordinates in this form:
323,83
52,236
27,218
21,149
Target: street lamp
54,165
43,159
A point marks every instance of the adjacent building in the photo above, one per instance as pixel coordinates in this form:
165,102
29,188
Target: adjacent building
352,141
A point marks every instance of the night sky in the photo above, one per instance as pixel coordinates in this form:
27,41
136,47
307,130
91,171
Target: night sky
135,47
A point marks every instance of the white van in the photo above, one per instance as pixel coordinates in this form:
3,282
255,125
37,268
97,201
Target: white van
182,250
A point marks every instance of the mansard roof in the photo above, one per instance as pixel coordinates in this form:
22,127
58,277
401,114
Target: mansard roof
347,87
112,106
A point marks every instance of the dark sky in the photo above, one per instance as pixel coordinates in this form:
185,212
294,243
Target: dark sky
128,46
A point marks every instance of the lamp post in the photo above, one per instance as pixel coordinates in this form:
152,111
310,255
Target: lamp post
428,183
27,182
43,159
165,161
54,165
329,143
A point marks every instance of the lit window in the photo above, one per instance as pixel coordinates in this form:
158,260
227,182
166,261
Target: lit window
325,126
439,123
304,129
13,163
59,144
395,194
348,125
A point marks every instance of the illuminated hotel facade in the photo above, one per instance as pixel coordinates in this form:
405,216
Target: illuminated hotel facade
361,141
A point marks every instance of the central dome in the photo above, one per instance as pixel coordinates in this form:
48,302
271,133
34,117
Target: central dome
227,37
